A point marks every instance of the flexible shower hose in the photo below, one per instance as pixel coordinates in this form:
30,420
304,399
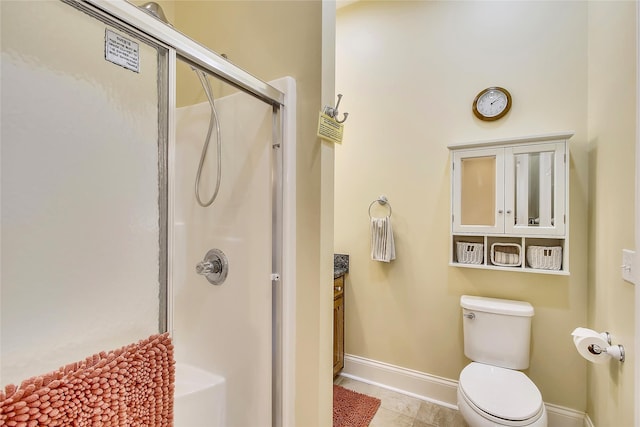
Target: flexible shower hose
214,119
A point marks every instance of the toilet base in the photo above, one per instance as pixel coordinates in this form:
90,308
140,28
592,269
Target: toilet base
475,419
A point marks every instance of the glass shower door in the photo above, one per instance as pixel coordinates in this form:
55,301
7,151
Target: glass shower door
226,329
83,202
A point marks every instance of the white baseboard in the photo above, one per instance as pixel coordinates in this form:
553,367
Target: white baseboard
561,416
407,381
432,388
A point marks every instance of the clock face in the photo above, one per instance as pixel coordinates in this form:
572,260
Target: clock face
492,103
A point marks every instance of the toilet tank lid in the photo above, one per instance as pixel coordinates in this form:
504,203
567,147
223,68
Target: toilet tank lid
498,306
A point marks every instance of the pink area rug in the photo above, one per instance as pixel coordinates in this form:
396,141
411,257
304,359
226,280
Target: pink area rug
132,386
351,409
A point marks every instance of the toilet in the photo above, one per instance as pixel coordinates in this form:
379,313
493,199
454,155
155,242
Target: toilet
492,391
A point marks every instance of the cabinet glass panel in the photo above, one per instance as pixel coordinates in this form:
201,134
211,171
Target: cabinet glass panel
534,189
478,191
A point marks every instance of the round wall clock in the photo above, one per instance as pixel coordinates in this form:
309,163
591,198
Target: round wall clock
492,103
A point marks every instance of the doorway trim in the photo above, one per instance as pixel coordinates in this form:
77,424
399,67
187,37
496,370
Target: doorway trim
637,222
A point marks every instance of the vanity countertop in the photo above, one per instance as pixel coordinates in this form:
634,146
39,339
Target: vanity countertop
340,265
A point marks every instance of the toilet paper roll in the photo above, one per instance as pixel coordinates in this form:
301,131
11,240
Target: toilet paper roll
584,339
582,333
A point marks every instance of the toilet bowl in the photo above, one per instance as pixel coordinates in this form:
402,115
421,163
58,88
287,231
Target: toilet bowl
492,390
490,396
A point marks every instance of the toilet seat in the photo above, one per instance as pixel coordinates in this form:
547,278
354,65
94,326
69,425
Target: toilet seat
507,395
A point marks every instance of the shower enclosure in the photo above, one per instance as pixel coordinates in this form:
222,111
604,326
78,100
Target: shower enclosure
235,314
100,229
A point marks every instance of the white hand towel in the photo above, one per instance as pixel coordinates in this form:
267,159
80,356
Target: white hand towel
382,244
375,238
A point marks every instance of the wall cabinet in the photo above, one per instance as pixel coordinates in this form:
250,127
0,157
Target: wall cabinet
338,325
509,204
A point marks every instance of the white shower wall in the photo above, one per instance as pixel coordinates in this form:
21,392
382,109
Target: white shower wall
226,329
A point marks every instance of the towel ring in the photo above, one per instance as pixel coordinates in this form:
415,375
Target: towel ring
383,201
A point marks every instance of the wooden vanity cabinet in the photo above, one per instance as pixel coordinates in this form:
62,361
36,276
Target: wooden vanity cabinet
338,325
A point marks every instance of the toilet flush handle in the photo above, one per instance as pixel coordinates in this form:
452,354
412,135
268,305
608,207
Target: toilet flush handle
469,316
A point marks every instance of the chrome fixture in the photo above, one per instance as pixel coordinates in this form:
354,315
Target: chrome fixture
333,111
382,200
214,267
613,351
155,10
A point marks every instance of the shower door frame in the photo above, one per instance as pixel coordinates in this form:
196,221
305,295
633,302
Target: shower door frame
283,182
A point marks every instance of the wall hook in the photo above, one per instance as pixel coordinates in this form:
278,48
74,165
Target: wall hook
333,111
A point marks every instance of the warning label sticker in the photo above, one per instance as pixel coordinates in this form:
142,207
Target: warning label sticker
329,129
121,51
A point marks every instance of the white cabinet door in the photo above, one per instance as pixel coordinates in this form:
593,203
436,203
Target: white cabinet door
518,190
478,191
535,189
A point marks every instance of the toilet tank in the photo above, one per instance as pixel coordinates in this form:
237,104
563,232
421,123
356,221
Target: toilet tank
497,331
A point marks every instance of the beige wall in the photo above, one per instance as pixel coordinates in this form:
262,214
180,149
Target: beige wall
612,126
272,39
409,72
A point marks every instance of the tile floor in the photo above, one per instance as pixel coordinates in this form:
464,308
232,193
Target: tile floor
400,410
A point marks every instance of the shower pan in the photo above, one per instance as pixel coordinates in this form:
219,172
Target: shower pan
98,189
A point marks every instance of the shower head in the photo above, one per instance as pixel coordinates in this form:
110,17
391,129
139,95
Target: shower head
154,9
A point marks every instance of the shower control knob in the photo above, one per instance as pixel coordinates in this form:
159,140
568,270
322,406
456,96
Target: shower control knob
208,267
214,267
203,267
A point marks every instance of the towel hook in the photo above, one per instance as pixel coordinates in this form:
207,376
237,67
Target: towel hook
333,111
383,201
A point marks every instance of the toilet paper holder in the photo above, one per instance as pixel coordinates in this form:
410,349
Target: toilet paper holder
613,351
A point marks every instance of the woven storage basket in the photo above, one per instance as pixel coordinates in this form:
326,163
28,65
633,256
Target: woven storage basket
470,253
506,254
545,257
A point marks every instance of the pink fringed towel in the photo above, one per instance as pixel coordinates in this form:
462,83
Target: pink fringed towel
132,386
